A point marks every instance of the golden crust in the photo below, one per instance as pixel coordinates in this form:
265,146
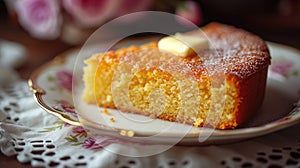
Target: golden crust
237,59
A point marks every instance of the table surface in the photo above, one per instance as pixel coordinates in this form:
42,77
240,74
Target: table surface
41,51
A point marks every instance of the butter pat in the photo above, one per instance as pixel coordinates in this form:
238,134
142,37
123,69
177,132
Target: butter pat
182,45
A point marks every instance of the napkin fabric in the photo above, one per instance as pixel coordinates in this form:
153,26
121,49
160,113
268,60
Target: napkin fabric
42,139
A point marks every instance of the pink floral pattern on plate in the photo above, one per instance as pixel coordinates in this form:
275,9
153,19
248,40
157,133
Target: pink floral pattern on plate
58,82
284,68
98,142
80,136
63,81
67,109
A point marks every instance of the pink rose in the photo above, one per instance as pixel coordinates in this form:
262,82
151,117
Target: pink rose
130,6
90,13
191,11
41,18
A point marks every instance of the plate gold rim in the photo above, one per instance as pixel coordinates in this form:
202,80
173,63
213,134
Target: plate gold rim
38,93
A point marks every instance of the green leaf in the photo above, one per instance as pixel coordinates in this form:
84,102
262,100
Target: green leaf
51,78
84,134
77,144
50,129
295,73
71,138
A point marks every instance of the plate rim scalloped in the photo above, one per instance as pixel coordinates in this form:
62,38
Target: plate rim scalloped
222,135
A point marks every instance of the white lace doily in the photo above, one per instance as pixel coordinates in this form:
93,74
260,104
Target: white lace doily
44,140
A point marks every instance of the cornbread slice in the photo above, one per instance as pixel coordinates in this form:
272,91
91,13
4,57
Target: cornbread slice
220,87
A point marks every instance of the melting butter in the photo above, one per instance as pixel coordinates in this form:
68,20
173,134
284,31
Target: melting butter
183,45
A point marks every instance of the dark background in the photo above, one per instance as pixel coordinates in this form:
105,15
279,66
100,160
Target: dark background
273,20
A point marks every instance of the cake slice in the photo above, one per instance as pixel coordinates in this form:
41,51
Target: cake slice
220,86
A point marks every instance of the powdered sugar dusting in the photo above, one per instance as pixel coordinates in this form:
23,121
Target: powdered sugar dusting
232,51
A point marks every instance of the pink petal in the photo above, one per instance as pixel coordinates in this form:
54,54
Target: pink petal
99,142
282,68
65,79
90,13
78,130
41,18
129,6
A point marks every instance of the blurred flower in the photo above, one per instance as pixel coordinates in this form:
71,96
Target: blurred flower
41,18
129,6
90,13
189,10
74,20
